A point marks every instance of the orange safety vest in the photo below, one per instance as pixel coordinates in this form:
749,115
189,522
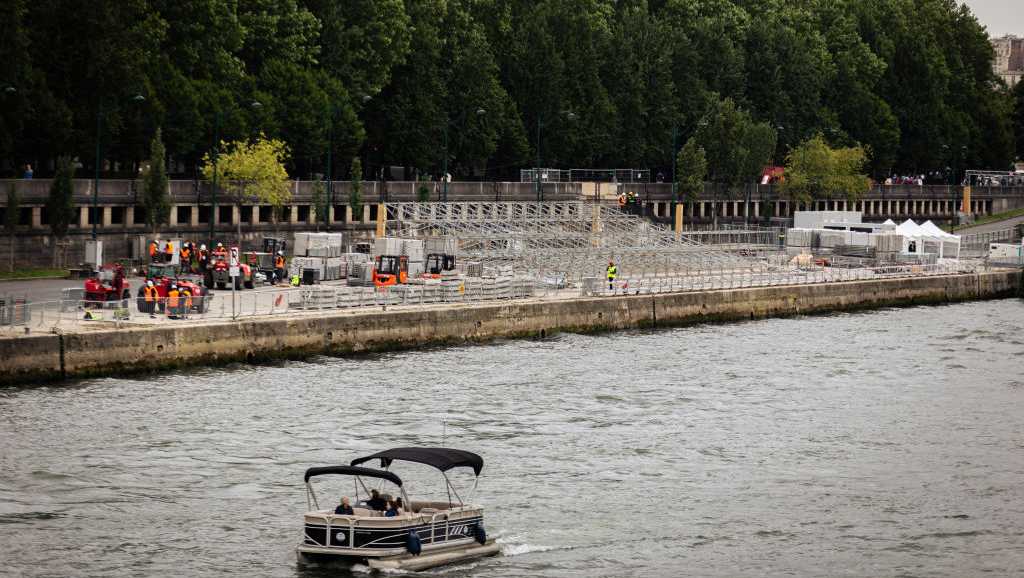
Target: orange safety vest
184,255
150,293
152,248
172,298
169,249
188,299
279,262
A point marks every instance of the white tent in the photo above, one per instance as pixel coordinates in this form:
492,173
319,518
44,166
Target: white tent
928,238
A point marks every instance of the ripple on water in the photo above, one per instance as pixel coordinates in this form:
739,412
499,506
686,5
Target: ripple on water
775,447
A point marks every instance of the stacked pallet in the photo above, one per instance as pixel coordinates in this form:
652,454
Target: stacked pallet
318,244
830,239
360,274
800,238
415,251
473,269
453,285
388,246
313,297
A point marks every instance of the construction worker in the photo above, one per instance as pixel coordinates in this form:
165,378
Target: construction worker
186,257
622,201
187,305
296,280
613,273
203,257
153,250
169,252
279,265
150,294
173,299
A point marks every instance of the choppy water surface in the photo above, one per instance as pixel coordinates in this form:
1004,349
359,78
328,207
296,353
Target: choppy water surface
888,443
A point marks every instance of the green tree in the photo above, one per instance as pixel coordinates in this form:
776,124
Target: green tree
11,217
691,172
60,205
737,147
320,207
355,195
815,170
423,191
253,172
156,199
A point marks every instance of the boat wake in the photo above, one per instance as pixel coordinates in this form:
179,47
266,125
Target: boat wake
515,546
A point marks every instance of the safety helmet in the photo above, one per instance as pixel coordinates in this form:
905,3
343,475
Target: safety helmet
174,286
281,253
202,247
150,282
220,245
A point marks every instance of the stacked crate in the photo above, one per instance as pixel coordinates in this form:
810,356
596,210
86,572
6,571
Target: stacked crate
415,251
320,252
360,274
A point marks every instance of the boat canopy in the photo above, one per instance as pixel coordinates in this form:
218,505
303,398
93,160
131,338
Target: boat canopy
443,459
353,471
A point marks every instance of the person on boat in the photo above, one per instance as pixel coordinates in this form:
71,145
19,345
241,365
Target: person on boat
392,510
399,506
375,502
344,508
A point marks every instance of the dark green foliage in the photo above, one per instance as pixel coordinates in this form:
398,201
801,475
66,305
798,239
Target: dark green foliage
606,82
60,205
155,195
355,196
1018,118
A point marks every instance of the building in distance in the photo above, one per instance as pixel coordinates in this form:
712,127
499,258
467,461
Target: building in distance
1009,62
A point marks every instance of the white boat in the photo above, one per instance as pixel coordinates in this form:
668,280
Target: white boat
425,535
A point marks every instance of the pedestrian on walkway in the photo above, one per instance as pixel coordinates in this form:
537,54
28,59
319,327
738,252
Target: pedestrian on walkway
613,273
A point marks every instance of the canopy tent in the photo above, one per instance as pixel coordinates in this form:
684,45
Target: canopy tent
443,459
928,238
353,471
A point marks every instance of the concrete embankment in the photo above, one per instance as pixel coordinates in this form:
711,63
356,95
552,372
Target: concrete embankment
114,352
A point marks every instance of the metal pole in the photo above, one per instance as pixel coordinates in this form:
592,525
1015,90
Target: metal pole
213,192
444,166
330,183
96,179
536,171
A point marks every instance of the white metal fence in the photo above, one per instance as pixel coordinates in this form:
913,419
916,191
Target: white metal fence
77,314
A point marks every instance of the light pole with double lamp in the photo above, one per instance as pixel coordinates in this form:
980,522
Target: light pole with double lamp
255,105
96,177
444,163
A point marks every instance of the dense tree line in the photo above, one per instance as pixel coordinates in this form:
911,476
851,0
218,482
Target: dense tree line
593,83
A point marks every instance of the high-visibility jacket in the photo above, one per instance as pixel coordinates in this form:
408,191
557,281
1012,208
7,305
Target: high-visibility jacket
622,200
185,254
172,298
169,249
152,248
295,280
150,293
279,262
188,299
613,272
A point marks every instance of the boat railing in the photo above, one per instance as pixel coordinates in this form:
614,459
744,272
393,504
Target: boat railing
433,526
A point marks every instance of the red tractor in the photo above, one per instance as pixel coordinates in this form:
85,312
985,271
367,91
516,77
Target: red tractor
201,296
109,285
219,273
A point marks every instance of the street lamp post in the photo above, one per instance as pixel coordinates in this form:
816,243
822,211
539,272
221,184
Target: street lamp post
444,163
96,175
216,172
569,115
10,91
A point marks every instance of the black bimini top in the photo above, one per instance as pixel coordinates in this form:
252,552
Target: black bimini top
443,459
353,471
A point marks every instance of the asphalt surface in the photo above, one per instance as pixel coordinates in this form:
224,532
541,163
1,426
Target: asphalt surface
991,227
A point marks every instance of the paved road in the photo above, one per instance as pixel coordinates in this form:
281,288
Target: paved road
992,227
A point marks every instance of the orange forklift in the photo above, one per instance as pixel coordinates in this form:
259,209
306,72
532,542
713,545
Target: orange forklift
390,270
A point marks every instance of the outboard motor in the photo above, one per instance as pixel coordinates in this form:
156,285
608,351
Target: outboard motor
480,534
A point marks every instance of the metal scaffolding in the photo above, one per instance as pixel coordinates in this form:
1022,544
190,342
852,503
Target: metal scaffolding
574,240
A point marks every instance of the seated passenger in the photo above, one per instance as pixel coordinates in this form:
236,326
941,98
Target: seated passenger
375,502
391,511
399,506
344,508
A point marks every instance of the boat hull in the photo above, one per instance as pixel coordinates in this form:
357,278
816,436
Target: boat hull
431,557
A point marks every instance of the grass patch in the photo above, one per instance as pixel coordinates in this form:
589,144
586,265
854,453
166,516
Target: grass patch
993,218
32,274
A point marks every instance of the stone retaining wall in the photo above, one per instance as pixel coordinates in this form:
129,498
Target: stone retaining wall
38,357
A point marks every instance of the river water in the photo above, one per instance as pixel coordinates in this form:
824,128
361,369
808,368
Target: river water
885,443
